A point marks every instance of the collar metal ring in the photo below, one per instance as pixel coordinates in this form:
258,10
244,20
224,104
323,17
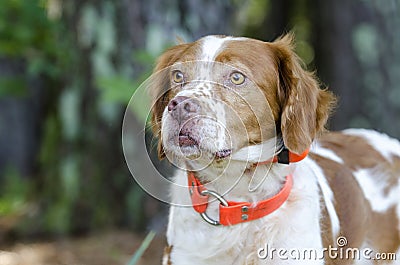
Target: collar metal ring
220,199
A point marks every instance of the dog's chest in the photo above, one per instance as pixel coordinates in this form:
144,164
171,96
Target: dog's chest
294,225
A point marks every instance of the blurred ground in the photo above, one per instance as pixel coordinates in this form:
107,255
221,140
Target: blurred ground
108,248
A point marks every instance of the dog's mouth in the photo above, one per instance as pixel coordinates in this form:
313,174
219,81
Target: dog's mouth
223,153
185,139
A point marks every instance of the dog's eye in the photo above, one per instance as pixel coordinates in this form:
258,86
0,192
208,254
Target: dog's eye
177,76
237,78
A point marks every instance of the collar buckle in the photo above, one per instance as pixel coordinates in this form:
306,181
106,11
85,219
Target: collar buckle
220,199
283,156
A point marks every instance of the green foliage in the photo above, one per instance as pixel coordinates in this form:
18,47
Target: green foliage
257,10
134,201
145,244
27,33
14,200
13,193
116,88
23,25
81,176
15,86
120,89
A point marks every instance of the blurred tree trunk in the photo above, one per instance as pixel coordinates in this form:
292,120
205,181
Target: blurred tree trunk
275,22
356,43
21,100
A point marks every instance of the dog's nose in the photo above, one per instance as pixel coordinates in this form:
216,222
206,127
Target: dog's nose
181,107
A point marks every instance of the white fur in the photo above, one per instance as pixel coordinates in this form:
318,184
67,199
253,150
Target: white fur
373,180
214,134
259,152
210,47
373,184
294,225
384,144
202,91
318,149
328,197
326,191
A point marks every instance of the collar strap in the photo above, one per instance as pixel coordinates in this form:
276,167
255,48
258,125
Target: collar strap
285,157
231,212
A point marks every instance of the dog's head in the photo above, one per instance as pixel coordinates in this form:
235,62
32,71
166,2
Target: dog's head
219,94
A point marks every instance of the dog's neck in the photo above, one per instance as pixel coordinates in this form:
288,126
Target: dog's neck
241,178
242,181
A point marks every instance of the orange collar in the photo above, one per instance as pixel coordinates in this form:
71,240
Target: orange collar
231,212
286,157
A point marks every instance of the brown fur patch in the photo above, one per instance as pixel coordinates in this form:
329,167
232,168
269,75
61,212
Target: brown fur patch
356,217
382,233
167,255
160,91
299,106
256,59
326,229
355,151
385,227
305,107
353,209
393,172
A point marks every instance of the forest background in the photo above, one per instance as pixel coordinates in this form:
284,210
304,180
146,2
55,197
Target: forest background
69,68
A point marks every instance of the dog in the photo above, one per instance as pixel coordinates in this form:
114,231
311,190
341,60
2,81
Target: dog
243,121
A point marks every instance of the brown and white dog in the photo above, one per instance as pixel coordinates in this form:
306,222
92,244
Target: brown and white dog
238,116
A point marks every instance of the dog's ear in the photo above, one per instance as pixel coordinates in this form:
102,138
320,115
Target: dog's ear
305,107
159,90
